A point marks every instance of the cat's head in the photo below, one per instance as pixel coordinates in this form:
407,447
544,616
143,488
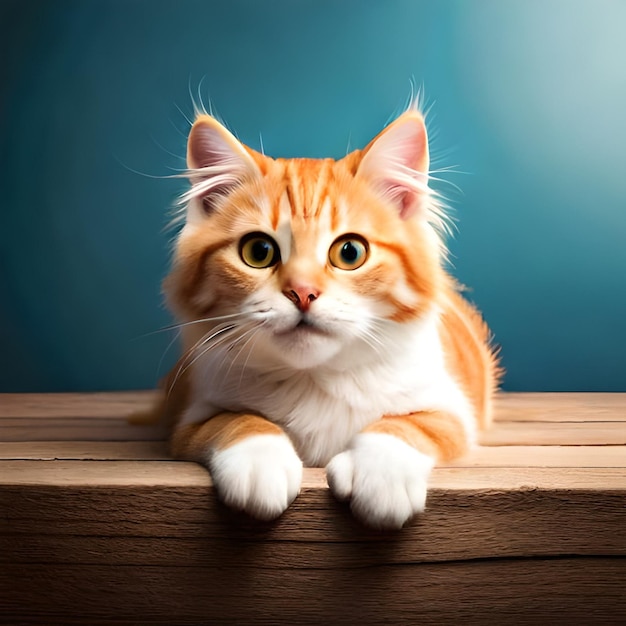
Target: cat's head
306,261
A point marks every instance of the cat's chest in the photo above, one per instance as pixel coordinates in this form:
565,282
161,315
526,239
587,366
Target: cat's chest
321,412
322,409
320,415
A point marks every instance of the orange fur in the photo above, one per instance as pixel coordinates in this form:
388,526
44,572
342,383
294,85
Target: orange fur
466,343
436,433
320,201
222,431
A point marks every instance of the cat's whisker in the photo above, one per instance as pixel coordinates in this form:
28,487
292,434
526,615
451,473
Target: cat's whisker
250,331
204,342
373,342
192,322
225,337
169,345
251,335
185,365
207,337
379,331
253,338
221,334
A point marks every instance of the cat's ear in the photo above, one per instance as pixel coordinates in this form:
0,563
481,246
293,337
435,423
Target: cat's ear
396,162
217,161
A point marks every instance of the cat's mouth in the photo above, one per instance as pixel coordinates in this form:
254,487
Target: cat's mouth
304,326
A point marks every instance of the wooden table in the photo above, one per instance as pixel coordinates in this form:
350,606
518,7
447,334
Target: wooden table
98,525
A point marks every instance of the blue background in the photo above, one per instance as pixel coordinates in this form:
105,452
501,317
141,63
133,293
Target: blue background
529,102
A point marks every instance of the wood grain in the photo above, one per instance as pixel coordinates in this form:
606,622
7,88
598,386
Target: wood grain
560,407
456,593
116,404
562,419
84,450
98,525
555,434
43,428
179,473
475,523
483,456
525,407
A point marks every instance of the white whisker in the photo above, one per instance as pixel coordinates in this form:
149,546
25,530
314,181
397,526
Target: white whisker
236,342
169,345
254,337
373,341
185,365
203,320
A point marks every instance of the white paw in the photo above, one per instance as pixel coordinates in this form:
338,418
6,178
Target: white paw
383,477
260,475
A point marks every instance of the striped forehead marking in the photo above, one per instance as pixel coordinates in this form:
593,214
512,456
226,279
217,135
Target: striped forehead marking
307,186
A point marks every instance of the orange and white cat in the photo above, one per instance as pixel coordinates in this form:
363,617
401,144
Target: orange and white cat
320,327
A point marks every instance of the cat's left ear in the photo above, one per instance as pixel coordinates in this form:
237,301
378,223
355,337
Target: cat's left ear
217,161
396,161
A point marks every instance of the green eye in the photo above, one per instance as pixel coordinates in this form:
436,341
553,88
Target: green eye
259,250
348,252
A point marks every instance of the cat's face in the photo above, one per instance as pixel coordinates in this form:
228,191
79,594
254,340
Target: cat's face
303,261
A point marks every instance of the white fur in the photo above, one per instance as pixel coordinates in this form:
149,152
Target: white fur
260,475
384,479
349,383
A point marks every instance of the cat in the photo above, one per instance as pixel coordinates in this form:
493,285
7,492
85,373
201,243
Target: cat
320,326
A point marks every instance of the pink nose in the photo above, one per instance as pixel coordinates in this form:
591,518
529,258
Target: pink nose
301,296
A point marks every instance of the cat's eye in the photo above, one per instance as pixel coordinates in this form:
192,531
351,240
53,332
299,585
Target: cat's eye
348,252
259,250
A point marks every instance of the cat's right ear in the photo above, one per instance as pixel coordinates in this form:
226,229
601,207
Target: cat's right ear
217,162
396,162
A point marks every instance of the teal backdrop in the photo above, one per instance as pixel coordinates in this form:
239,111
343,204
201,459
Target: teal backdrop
528,103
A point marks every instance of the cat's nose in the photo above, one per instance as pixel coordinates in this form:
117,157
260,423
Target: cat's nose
301,296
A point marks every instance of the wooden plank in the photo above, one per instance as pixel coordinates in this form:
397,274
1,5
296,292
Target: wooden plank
103,473
113,404
543,456
85,450
560,407
117,429
496,456
541,407
185,474
78,429
172,526
568,591
205,549
515,532
554,434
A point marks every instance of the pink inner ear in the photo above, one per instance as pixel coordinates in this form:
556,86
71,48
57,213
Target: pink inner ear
219,160
396,161
206,148
409,204
407,201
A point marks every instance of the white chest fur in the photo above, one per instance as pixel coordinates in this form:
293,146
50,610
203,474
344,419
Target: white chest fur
321,409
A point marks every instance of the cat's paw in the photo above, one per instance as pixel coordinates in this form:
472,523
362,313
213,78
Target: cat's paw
260,475
383,477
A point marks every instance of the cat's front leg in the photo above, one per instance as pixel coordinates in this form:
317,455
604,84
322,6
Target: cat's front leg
252,462
385,470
